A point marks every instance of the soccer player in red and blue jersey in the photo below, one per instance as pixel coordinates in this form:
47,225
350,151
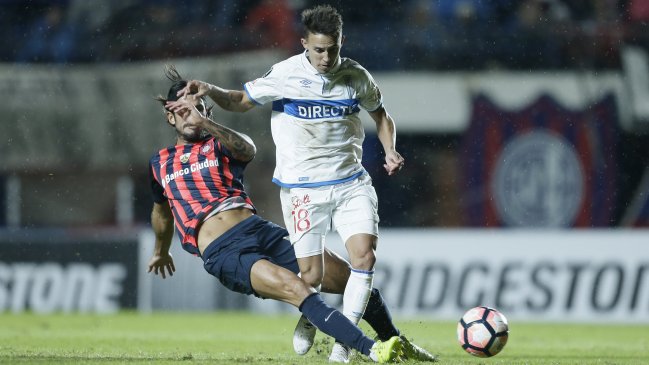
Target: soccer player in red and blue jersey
198,184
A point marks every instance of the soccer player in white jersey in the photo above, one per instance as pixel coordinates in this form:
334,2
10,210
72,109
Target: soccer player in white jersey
316,98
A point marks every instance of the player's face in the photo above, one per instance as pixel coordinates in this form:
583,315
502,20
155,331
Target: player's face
186,121
323,50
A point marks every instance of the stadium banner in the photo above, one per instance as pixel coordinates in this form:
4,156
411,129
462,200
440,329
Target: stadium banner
541,166
531,275
46,271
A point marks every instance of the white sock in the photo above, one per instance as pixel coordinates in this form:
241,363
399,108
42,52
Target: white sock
357,294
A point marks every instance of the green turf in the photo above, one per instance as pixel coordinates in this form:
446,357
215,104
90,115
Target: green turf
240,338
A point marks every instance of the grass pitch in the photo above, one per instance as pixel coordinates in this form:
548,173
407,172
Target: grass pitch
242,338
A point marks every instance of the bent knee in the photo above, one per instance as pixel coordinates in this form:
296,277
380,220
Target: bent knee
312,278
364,261
296,288
312,270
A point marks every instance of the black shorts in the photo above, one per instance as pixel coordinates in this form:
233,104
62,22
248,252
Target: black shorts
231,256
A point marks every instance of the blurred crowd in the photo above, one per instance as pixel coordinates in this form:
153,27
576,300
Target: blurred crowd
381,34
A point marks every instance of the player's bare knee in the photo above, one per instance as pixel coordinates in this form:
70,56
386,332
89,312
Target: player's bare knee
312,278
295,288
311,274
364,261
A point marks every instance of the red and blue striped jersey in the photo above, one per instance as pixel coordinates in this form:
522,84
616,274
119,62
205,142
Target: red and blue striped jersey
195,179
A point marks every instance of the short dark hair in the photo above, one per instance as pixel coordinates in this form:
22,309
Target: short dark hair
322,19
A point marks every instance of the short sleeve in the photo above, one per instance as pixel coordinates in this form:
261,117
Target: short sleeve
269,87
370,95
157,191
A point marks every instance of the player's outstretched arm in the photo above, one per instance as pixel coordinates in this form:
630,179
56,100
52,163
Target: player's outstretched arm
387,135
163,226
231,100
240,145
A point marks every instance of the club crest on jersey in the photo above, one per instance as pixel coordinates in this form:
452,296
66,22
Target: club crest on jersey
206,148
185,157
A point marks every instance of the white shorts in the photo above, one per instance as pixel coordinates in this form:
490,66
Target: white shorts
309,213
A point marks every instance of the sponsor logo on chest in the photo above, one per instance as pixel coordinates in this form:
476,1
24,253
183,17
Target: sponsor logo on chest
192,168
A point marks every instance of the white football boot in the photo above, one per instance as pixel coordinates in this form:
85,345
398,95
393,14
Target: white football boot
303,336
340,353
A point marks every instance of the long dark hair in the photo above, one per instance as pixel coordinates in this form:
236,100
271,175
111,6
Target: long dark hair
178,84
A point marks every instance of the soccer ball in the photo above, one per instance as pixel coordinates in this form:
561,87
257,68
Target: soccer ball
483,331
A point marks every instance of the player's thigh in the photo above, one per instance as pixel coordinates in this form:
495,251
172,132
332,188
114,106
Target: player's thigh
231,263
356,210
307,215
275,282
231,258
281,253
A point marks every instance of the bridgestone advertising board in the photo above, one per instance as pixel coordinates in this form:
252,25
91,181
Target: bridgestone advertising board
61,271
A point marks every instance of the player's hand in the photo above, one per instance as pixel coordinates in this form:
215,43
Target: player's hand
161,263
186,109
393,162
194,87
180,106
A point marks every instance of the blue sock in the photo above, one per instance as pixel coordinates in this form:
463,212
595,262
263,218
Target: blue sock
379,318
333,323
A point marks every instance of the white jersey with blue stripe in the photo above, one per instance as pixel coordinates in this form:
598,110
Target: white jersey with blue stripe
315,124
